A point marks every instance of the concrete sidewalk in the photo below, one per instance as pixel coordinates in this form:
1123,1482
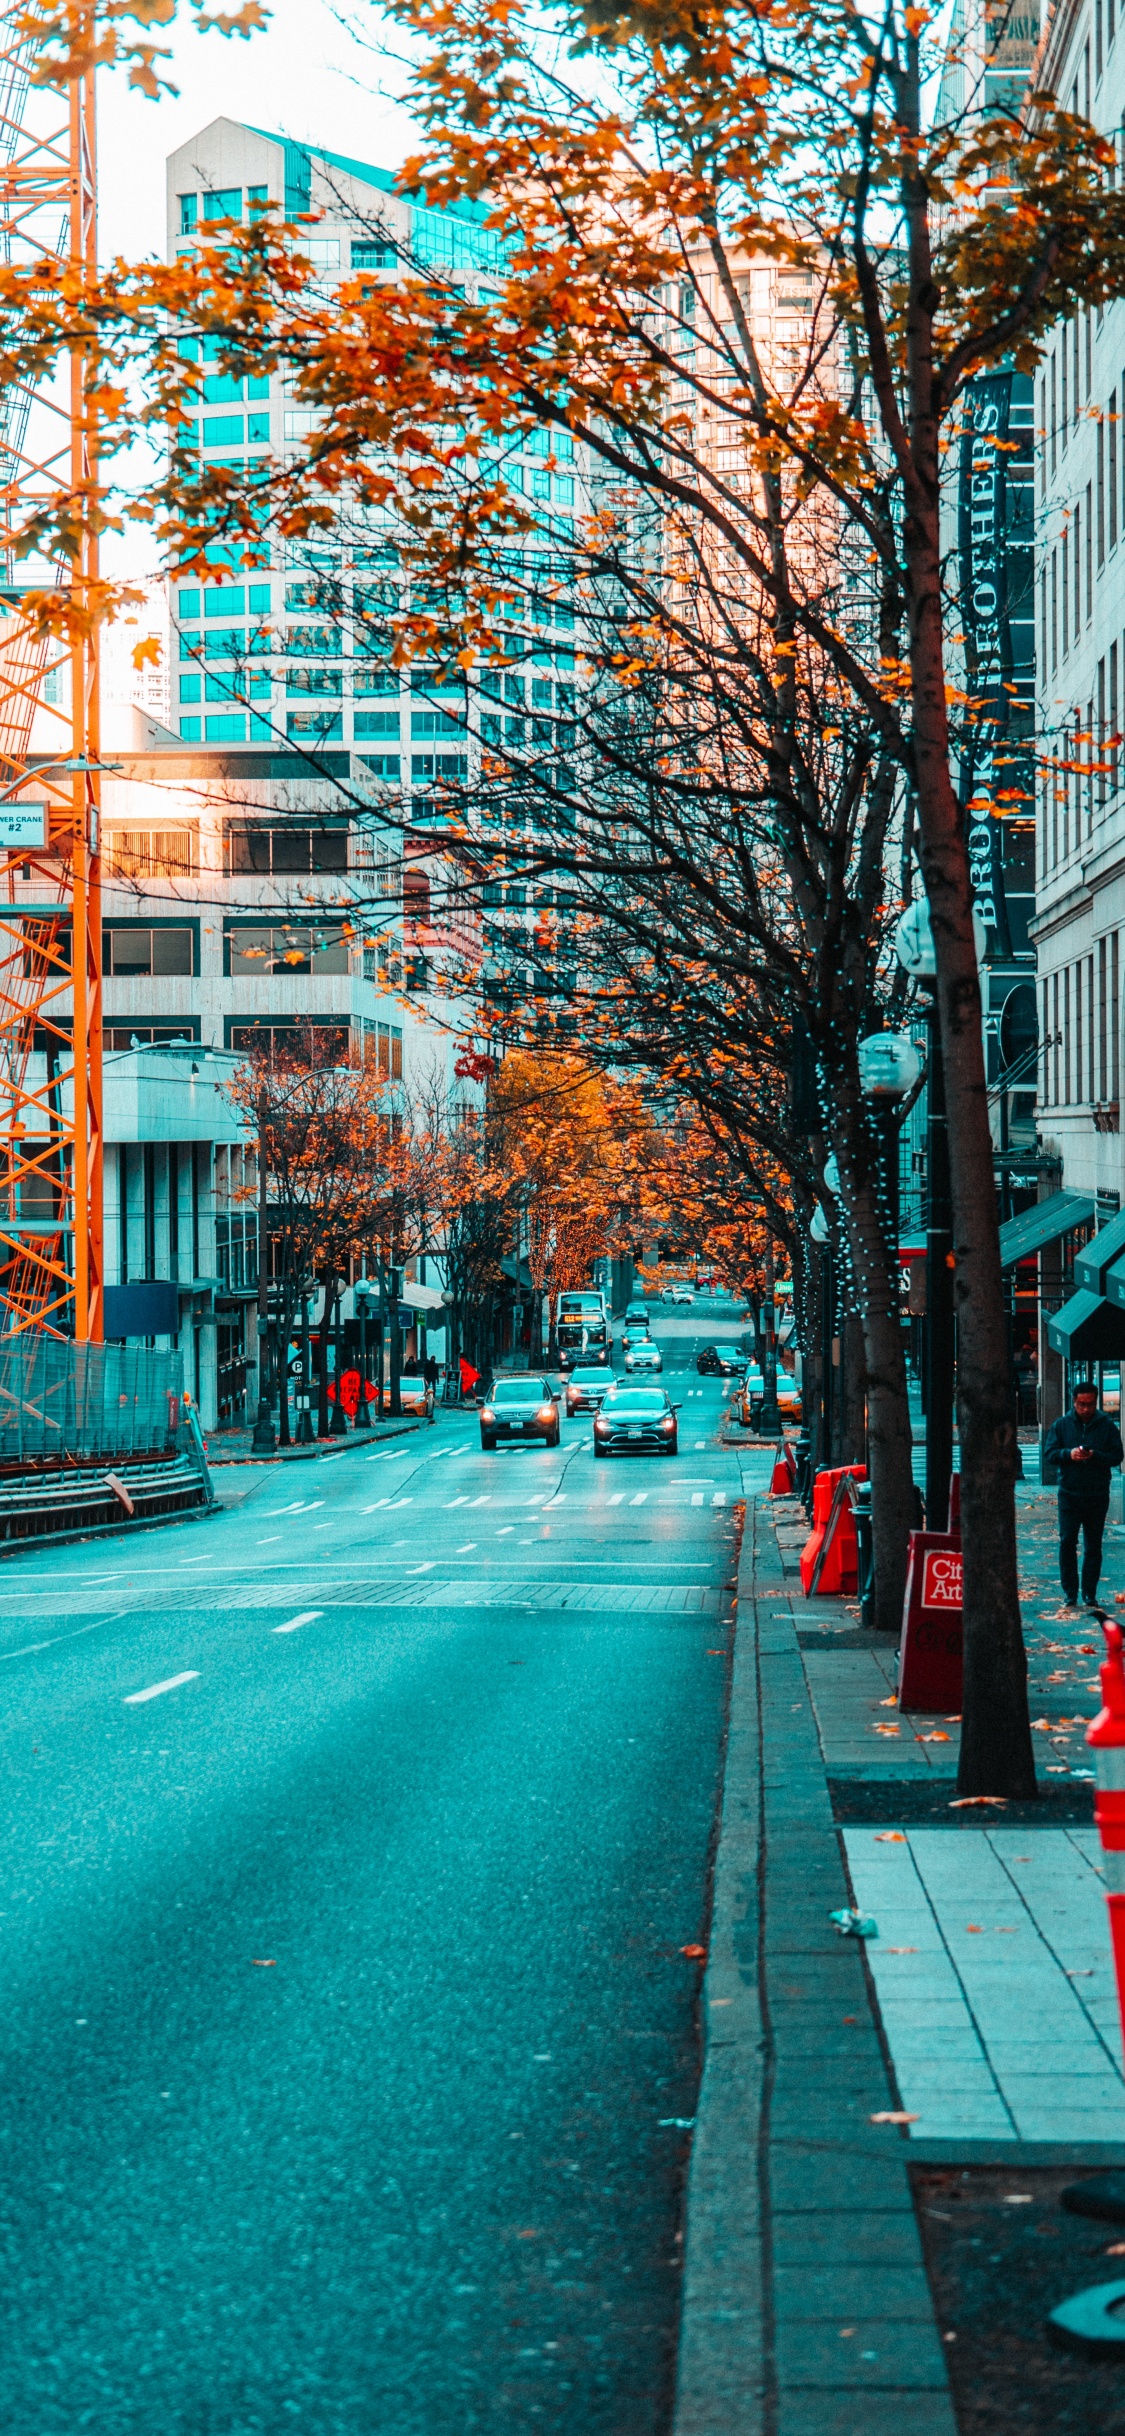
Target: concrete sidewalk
984,2006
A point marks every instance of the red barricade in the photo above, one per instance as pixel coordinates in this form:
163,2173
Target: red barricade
784,1479
833,1532
1106,1738
929,1661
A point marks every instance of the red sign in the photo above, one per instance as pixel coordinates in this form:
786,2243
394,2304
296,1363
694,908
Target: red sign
929,1665
941,1579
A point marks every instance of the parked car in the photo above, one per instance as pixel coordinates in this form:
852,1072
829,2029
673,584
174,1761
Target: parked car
677,1294
521,1406
749,1397
642,1354
636,1421
586,1387
720,1361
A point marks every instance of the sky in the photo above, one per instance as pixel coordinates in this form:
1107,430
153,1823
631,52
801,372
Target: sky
311,75
307,76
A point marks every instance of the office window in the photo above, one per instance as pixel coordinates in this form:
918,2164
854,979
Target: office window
1054,417
1100,737
1067,1044
258,850
189,642
224,600
315,727
189,214
1114,1018
1112,747
1089,551
377,723
424,724
1054,610
1064,375
372,255
129,950
289,948
191,689
1065,557
1111,468
142,854
388,1051
1103,1011
224,204
1099,460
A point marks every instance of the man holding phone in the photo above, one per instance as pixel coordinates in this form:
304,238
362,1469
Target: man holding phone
1086,1445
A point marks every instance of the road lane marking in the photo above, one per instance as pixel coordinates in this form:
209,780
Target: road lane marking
640,1498
697,1497
271,1542
456,1501
617,1499
466,1544
699,1446
426,1568
560,1500
153,1692
301,1505
400,1501
32,1648
196,1560
503,1534
719,1498
478,1501
308,1616
380,1501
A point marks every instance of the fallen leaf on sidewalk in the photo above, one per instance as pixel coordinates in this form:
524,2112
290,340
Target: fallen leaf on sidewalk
1040,1725
931,1738
1115,2249
900,1949
882,1729
892,2118
695,1953
975,1929
891,1703
891,1835
980,1801
263,1962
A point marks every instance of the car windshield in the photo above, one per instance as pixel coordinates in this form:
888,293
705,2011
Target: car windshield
518,1391
729,1353
637,1400
596,1378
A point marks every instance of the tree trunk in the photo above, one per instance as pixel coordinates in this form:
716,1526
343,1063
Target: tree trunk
996,1749
851,1400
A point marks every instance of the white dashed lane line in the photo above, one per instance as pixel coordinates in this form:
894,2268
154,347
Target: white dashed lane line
697,1497
310,1616
153,1691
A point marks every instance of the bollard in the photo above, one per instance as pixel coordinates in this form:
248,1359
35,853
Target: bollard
802,1454
264,1440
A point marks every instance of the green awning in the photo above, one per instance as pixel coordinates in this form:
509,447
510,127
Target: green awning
1088,1329
1043,1223
1092,1266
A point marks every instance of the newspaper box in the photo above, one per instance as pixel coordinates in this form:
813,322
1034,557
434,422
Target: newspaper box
929,1662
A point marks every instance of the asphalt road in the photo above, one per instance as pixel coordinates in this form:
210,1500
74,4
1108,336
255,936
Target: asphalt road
351,1843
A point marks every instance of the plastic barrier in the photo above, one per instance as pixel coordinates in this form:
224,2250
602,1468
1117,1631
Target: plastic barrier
784,1480
829,1558
929,1658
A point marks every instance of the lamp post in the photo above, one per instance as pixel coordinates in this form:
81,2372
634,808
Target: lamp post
914,946
364,1293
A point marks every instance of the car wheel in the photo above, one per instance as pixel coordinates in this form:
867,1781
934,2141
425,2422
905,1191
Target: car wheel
675,1447
488,1445
552,1438
599,1450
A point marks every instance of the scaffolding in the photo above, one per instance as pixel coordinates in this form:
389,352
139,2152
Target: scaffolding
51,1268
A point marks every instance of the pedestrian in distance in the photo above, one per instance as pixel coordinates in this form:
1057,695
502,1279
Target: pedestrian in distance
1087,1447
430,1375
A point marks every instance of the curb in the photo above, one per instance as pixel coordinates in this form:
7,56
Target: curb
319,1453
806,2307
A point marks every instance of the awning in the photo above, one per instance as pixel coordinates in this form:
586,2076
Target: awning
1088,1329
1044,1223
1092,1266
417,1297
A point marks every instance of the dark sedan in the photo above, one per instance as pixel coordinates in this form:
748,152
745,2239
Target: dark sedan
637,1421
720,1362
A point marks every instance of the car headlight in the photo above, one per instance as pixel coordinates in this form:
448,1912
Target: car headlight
669,1421
601,1427
486,1413
546,1412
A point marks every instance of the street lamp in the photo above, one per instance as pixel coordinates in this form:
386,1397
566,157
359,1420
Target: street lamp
914,947
365,1295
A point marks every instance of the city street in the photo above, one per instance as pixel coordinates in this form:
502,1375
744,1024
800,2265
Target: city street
353,1840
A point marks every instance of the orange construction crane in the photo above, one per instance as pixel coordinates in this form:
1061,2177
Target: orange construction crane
51,1263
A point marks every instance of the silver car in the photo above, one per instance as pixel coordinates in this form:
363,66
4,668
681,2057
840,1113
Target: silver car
586,1387
521,1406
636,1421
643,1356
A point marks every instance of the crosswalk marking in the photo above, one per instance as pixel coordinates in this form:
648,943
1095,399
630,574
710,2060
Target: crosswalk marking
719,1498
640,1497
697,1497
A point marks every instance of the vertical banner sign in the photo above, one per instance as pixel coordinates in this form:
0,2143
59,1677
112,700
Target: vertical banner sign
982,534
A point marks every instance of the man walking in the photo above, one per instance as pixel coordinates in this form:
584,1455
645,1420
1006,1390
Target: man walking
1086,1445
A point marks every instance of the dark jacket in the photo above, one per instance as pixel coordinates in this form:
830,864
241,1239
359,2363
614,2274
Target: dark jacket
1102,1436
